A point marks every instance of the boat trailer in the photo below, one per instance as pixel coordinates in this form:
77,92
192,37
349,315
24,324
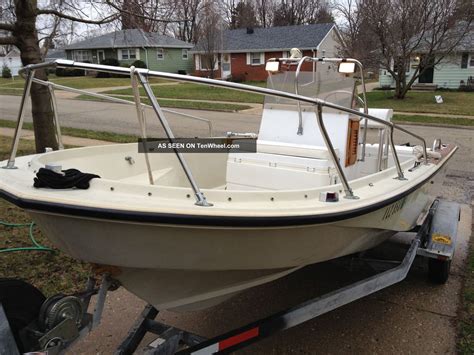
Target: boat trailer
63,319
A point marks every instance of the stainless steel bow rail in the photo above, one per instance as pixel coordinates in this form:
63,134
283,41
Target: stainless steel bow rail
143,75
442,219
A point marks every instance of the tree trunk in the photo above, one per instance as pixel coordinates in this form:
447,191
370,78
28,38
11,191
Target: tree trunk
30,53
404,91
400,86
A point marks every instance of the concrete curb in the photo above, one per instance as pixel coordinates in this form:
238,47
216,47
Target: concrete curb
432,114
408,123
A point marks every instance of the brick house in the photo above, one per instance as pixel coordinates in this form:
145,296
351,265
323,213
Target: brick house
244,52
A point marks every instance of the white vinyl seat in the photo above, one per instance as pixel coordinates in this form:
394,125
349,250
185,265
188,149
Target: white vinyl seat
385,114
294,150
286,160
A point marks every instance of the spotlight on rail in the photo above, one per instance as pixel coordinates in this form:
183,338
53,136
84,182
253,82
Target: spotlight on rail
272,66
346,67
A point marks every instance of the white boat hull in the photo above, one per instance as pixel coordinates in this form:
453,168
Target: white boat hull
258,216
191,267
176,255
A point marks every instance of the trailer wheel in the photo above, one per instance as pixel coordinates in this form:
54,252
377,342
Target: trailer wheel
21,302
438,270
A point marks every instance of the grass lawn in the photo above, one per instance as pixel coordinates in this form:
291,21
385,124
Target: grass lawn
169,92
195,105
78,132
456,103
77,82
51,272
432,119
4,81
10,91
199,92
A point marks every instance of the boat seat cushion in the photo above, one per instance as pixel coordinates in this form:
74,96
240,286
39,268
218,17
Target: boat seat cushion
385,114
295,150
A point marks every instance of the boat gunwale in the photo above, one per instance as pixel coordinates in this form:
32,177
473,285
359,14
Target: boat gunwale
210,220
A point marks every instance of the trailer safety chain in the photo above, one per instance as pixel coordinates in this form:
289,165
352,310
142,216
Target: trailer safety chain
36,247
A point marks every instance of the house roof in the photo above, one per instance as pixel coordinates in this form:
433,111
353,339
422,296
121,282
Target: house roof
467,42
130,38
272,38
56,54
451,39
14,52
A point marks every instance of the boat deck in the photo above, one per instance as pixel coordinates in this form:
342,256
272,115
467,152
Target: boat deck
445,150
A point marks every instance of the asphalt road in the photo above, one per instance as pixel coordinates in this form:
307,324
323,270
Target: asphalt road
122,118
413,316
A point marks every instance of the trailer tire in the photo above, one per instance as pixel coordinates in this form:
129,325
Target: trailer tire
438,270
21,302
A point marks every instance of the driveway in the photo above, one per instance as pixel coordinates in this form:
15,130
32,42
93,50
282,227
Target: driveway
413,316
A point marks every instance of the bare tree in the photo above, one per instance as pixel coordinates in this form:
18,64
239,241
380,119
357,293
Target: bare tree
358,40
5,17
242,14
265,10
133,16
21,31
268,13
141,14
429,30
190,11
210,34
19,27
300,12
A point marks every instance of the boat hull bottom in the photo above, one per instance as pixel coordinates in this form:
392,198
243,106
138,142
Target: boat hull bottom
187,290
193,290
192,267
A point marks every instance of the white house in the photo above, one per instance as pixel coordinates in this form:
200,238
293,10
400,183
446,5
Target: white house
12,60
453,71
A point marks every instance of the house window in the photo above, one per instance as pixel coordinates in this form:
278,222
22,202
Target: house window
285,54
82,55
184,54
255,58
464,60
471,60
207,61
160,54
399,63
126,54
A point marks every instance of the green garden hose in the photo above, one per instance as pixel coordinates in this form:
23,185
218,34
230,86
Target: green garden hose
37,246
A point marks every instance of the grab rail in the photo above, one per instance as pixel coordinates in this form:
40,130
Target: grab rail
122,101
335,60
358,98
141,121
201,199
300,114
144,73
20,119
